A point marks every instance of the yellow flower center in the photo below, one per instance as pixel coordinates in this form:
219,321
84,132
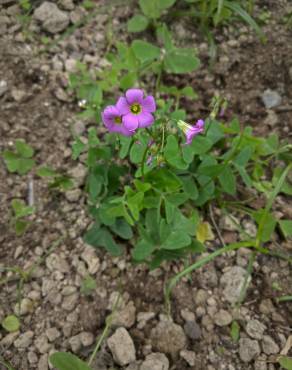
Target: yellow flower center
136,108
118,120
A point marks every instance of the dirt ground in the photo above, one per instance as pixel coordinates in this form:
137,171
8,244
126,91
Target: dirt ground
55,315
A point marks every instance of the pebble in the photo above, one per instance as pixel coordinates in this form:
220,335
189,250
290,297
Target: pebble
168,337
233,280
52,334
90,258
255,329
122,347
42,344
155,361
271,98
70,302
32,357
248,349
222,318
86,338
125,317
8,340
75,343
79,174
26,307
189,357
3,87
43,363
73,195
56,262
270,347
24,340
192,330
51,17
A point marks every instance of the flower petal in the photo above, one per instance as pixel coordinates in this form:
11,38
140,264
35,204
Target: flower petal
145,119
200,124
148,104
123,106
109,114
130,122
134,96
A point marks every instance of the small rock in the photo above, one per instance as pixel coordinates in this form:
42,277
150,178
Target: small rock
70,302
71,65
168,337
52,334
55,262
32,357
189,357
260,363
79,174
125,317
9,339
233,280
266,306
68,290
79,128
86,338
271,98
270,347
67,4
222,318
192,330
26,307
73,195
52,18
75,343
255,329
187,315
3,87
18,95
42,344
272,118
43,363
155,361
229,223
24,340
201,297
92,261
122,347
248,349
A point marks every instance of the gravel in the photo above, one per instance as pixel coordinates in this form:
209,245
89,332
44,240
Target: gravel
51,17
248,349
155,361
233,281
122,347
222,318
255,329
270,347
168,337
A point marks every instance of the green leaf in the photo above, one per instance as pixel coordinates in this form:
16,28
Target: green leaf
169,211
137,23
137,152
204,232
128,80
142,186
122,229
134,203
67,361
285,362
176,240
24,150
236,8
189,92
269,225
235,331
88,285
150,8
228,181
77,148
190,187
163,179
142,250
286,227
93,140
11,323
20,209
172,153
46,172
101,237
145,51
164,34
211,171
244,156
125,142
164,4
25,165
152,224
181,61
21,226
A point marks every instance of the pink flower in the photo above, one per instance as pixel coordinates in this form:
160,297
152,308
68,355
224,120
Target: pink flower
191,131
112,119
136,110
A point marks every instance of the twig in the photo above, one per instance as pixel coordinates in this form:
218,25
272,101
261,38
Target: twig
216,226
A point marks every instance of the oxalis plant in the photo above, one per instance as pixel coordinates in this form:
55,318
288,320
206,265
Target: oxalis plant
152,180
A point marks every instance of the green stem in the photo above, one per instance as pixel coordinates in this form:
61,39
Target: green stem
105,331
171,284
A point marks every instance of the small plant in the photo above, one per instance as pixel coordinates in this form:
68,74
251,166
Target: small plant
20,160
20,213
58,181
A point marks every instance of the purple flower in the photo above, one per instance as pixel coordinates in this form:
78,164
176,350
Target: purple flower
136,110
191,131
112,119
